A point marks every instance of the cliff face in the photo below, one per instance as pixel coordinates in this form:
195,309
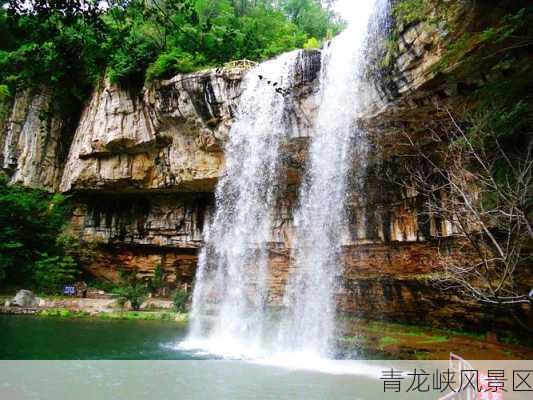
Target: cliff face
169,137
32,142
142,168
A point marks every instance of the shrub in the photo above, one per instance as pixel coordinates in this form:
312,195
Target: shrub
408,11
135,293
106,286
157,281
173,62
312,43
181,297
4,92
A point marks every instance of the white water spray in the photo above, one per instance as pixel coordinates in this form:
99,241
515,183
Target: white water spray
320,221
231,283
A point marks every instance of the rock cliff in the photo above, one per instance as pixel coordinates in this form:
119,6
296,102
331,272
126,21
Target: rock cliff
32,143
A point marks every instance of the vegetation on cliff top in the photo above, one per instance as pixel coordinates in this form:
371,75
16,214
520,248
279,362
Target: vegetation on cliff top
68,45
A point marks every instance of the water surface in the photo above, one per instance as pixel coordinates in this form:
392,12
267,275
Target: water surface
47,338
184,375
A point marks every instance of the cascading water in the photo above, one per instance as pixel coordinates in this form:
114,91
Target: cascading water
320,223
229,314
233,268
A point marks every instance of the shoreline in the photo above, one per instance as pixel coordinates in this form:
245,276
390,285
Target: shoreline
58,312
360,339
104,307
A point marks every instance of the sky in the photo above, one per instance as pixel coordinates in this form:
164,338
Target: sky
349,9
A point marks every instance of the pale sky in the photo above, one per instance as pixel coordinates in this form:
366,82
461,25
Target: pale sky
349,9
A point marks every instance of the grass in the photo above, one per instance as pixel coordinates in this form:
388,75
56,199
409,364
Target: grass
438,335
421,355
436,339
397,331
508,338
510,353
170,316
62,313
388,341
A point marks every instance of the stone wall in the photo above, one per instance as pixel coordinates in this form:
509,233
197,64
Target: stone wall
178,266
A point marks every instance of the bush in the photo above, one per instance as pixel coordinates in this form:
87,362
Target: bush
157,281
136,294
4,92
312,43
106,286
409,11
180,300
173,62
129,62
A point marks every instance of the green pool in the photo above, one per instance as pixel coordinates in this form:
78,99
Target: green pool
50,338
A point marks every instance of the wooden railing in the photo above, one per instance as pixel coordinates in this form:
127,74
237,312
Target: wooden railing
242,64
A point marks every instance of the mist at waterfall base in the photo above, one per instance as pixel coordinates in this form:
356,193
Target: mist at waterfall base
229,316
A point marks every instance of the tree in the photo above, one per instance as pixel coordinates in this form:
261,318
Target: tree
68,45
311,17
52,272
31,223
53,43
471,181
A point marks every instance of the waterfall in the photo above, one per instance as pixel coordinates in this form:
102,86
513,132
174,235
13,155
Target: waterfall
320,220
233,266
229,312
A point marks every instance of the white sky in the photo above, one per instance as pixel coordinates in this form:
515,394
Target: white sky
349,9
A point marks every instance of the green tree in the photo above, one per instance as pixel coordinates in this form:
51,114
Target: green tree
52,43
52,272
311,17
31,222
68,45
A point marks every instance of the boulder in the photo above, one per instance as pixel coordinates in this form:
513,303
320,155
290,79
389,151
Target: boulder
25,298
